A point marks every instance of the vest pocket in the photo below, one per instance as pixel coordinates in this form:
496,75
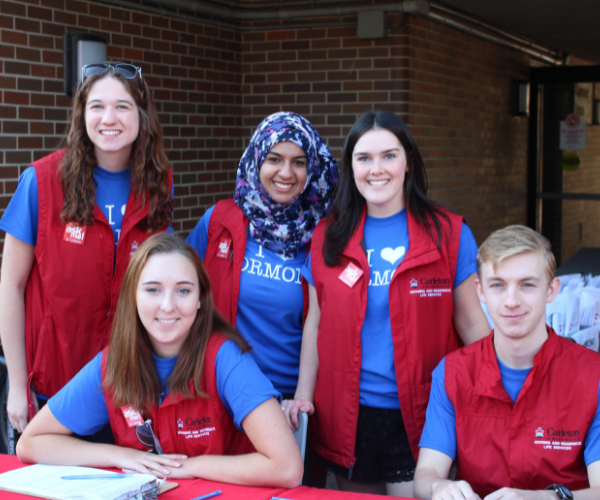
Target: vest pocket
60,355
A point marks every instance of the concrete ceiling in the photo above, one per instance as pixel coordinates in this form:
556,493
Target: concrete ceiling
571,26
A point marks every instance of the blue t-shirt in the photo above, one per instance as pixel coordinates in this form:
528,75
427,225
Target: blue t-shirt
270,307
387,243
21,216
440,424
81,408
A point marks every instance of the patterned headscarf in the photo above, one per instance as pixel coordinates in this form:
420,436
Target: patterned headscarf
285,228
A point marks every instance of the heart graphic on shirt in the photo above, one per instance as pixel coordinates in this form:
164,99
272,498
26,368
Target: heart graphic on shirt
392,254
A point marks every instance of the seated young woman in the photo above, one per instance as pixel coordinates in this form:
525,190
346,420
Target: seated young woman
176,378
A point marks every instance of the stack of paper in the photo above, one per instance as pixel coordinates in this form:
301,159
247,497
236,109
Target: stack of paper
45,481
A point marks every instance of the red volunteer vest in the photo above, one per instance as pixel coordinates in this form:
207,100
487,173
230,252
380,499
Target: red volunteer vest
535,442
224,257
197,426
71,294
421,307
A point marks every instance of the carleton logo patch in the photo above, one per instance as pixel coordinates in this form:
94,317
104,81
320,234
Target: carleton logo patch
194,428
557,440
430,286
134,246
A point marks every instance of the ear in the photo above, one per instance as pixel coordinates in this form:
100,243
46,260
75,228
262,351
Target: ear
199,304
479,290
553,289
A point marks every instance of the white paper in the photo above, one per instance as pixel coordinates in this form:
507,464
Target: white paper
565,279
45,481
563,313
588,337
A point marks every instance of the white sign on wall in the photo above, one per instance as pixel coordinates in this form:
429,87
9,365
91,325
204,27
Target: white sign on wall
572,132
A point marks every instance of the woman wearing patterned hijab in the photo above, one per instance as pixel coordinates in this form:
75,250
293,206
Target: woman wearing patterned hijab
255,244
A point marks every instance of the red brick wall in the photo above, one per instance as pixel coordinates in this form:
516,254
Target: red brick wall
193,70
460,112
325,74
213,86
453,90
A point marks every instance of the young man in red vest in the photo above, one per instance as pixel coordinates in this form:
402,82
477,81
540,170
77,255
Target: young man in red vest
517,410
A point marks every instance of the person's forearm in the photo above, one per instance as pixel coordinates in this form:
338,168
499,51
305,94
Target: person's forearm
309,364
254,469
309,354
424,480
587,494
12,333
469,319
57,449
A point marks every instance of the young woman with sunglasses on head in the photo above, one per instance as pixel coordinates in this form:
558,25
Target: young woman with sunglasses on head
254,245
391,293
76,218
177,378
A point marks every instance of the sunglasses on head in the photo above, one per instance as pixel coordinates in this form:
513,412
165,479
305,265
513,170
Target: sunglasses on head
129,71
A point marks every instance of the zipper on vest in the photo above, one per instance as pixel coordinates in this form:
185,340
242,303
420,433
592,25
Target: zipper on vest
231,255
350,467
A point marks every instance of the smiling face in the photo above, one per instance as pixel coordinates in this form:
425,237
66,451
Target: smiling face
379,167
112,122
168,299
516,294
283,173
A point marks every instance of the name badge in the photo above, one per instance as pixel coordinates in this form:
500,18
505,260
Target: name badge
132,416
350,275
74,233
223,250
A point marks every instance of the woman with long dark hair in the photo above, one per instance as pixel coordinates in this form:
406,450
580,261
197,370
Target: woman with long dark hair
391,292
76,218
176,378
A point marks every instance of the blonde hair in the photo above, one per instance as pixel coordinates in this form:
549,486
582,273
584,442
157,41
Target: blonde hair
516,240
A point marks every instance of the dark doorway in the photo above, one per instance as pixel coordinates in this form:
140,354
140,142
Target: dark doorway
564,180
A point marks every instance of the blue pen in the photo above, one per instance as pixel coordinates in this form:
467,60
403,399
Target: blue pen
208,495
278,498
98,476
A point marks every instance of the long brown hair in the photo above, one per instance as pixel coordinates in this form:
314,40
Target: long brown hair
130,372
149,164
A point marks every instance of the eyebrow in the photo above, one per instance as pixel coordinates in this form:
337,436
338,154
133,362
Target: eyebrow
119,100
160,283
280,155
381,152
526,278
